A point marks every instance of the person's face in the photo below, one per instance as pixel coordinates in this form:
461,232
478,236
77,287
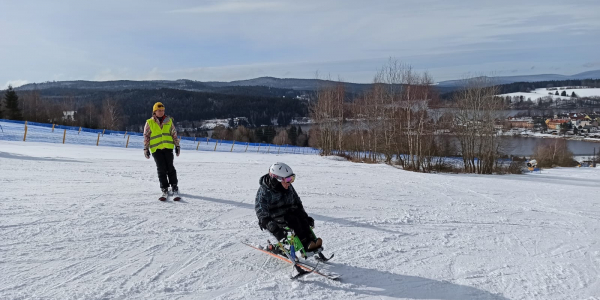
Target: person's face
160,112
285,185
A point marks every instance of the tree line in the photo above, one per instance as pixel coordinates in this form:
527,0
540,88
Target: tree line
129,109
392,123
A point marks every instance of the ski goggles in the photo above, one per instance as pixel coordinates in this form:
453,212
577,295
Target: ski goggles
289,179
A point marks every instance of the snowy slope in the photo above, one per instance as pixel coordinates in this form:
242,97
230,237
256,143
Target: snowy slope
544,93
82,222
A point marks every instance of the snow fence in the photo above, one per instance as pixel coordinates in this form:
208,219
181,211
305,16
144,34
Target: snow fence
11,130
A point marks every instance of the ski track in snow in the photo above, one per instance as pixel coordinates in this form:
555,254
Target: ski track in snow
83,222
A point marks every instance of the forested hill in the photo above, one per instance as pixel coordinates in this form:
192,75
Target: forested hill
134,106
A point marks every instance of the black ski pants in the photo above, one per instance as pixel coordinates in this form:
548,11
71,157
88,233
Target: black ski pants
164,165
298,223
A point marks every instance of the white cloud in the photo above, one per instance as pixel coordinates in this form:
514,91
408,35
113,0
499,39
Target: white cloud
233,7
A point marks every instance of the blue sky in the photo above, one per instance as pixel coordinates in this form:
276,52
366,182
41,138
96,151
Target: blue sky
348,39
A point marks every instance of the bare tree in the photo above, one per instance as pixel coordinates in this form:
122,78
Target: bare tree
478,108
111,115
553,153
328,114
282,138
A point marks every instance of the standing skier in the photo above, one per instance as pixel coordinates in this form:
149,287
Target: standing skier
278,205
160,137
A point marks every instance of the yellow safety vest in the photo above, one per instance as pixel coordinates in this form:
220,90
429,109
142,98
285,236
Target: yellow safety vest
160,138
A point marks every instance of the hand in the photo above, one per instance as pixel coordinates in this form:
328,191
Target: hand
263,223
273,227
177,150
311,222
147,153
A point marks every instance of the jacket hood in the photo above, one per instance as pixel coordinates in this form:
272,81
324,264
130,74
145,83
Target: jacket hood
270,183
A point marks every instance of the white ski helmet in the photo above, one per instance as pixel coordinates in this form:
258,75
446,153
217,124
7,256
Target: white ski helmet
280,171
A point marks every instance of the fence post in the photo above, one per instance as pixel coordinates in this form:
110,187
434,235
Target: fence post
79,130
247,144
64,136
25,135
198,146
103,130
25,123
98,141
53,127
216,143
232,144
125,135
127,145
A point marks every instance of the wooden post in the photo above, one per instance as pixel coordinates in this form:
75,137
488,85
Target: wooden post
198,146
216,143
79,130
232,144
127,145
25,123
103,130
247,144
125,135
53,127
25,135
64,136
98,141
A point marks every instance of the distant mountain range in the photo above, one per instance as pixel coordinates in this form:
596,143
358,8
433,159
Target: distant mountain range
190,85
276,83
527,78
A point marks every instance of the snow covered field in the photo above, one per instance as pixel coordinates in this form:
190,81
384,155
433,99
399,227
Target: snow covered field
543,92
82,222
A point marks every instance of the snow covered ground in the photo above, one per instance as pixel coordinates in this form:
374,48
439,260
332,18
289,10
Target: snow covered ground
83,222
537,94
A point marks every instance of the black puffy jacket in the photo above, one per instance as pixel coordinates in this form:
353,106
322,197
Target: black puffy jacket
273,201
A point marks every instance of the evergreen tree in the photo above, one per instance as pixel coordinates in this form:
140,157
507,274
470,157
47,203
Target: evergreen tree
270,134
556,93
564,93
12,104
260,134
299,130
293,134
574,95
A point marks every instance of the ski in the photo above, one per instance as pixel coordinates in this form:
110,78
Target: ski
322,258
306,267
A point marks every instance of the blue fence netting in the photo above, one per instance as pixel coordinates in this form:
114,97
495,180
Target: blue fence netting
11,130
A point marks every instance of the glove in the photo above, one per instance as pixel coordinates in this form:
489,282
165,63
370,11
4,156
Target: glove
177,150
273,227
311,221
147,153
263,223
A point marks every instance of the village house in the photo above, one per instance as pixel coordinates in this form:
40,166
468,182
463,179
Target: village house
554,124
520,122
